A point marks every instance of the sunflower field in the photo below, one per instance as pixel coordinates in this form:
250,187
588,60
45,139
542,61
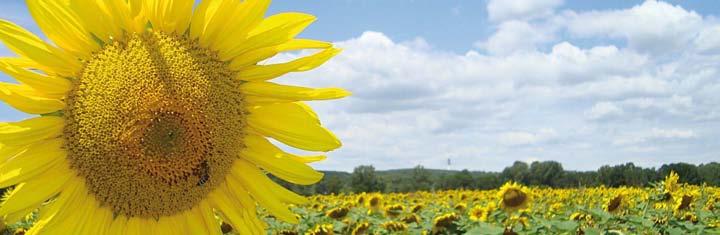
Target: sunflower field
665,208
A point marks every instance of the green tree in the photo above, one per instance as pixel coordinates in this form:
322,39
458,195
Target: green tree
710,173
420,179
548,173
518,172
688,172
364,179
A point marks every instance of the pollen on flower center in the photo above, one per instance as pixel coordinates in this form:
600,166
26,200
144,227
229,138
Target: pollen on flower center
153,124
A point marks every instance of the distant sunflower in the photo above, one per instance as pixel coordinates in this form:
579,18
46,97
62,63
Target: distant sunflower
479,213
514,196
670,185
615,204
153,116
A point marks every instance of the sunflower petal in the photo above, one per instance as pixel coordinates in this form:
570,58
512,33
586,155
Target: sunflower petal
68,200
118,225
25,99
257,177
63,27
128,14
255,56
52,87
36,190
291,93
30,131
265,72
194,222
237,216
210,18
30,46
35,160
172,16
208,216
97,18
259,193
294,125
246,16
267,156
274,30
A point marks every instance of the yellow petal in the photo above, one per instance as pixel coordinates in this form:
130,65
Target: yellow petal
294,125
260,193
128,14
268,186
30,46
263,153
234,214
30,131
118,225
194,222
67,203
63,27
171,16
35,160
291,93
36,190
25,99
97,18
246,16
50,86
210,18
265,72
208,216
274,30
257,55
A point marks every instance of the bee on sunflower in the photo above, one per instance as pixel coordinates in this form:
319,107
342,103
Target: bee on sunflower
155,116
514,197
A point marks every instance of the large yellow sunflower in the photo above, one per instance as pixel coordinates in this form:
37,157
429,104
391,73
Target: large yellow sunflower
153,116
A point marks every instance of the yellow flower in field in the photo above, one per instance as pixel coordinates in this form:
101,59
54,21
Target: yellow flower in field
670,185
460,207
321,229
411,218
375,201
394,226
416,208
615,205
514,197
337,213
394,210
154,116
479,213
683,203
361,228
445,222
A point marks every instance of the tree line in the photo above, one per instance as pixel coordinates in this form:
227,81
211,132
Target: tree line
542,174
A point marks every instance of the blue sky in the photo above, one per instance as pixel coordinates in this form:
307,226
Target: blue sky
486,83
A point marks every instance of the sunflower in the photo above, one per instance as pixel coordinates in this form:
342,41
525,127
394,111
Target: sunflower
615,204
514,196
394,226
155,115
670,185
479,213
361,228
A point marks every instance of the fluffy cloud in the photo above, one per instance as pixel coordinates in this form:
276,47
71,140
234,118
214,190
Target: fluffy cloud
653,26
500,10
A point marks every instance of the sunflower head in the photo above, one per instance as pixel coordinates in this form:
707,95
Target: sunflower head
670,184
337,213
322,229
149,114
514,196
361,228
615,204
394,226
479,213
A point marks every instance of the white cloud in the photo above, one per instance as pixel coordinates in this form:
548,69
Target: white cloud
512,37
653,26
500,10
603,110
654,134
517,138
